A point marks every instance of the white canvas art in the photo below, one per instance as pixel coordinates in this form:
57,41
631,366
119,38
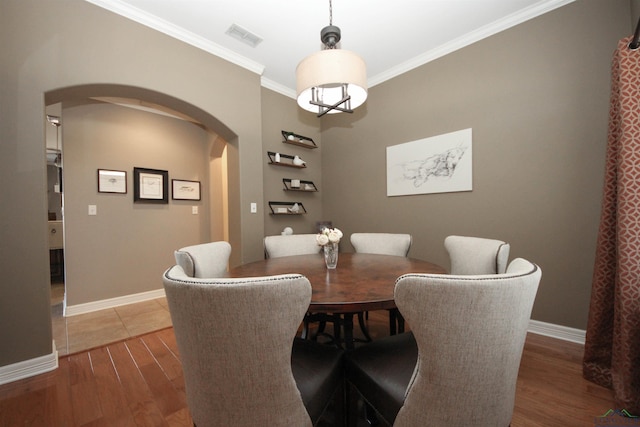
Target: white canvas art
439,164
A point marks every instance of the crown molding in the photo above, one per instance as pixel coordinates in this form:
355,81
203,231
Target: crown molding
469,38
135,14
277,87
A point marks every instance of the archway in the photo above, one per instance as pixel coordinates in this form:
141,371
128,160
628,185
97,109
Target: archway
89,279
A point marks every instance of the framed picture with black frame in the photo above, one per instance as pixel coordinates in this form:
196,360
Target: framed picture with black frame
150,186
112,181
185,190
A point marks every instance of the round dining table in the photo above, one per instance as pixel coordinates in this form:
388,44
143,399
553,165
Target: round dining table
361,282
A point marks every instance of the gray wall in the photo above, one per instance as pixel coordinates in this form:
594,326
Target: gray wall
536,97
120,250
51,50
281,113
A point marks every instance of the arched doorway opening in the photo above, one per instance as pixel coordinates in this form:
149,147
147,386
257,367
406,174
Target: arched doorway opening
116,248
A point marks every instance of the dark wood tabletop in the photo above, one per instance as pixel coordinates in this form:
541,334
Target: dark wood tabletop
361,282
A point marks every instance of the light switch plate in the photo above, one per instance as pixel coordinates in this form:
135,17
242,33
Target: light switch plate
254,207
194,210
93,210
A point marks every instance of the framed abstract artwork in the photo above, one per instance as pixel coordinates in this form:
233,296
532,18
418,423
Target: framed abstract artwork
150,185
112,181
185,190
439,164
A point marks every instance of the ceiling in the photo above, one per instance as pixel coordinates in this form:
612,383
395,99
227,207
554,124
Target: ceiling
392,37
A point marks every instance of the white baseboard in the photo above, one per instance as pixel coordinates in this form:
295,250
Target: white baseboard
72,310
557,331
30,368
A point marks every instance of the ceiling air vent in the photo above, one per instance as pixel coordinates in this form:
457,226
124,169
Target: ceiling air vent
244,35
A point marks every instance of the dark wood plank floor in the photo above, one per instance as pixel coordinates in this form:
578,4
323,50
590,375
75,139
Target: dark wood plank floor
138,382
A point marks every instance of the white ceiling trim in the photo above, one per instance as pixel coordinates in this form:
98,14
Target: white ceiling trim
277,87
137,15
468,39
176,32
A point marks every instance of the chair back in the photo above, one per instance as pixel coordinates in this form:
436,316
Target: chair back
381,243
470,332
476,255
293,244
235,339
204,260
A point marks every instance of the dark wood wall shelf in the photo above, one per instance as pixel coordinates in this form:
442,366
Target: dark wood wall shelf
285,160
299,140
305,186
287,208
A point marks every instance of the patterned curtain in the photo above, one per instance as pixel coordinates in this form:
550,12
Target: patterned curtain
612,347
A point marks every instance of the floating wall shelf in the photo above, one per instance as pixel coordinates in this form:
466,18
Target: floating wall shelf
287,208
289,185
285,160
299,140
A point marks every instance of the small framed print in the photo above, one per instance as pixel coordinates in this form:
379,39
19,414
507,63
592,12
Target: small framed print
150,185
185,190
112,181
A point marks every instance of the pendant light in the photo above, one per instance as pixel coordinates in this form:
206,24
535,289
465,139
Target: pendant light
332,80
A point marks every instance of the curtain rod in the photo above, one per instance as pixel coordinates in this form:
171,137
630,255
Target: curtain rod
635,43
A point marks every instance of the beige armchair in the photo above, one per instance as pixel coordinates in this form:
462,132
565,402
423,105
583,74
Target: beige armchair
204,260
459,365
240,371
293,244
301,244
383,244
476,255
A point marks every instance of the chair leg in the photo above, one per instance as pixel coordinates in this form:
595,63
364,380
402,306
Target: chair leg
363,327
356,407
370,415
396,322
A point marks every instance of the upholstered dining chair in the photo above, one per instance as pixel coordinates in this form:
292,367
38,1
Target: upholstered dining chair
240,373
300,244
476,255
204,260
292,244
383,244
459,364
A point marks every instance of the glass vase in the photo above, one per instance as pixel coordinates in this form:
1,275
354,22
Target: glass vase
331,255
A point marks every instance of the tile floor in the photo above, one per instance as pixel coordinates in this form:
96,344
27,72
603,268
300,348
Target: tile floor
85,331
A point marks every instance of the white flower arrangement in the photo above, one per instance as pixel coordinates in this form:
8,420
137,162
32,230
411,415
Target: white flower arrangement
328,235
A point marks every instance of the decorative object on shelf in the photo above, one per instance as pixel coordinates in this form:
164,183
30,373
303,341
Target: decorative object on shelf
277,158
288,231
298,161
110,181
185,190
298,185
299,140
294,209
332,80
285,160
287,208
329,239
150,186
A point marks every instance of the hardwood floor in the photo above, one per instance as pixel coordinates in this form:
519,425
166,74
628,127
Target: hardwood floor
138,382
